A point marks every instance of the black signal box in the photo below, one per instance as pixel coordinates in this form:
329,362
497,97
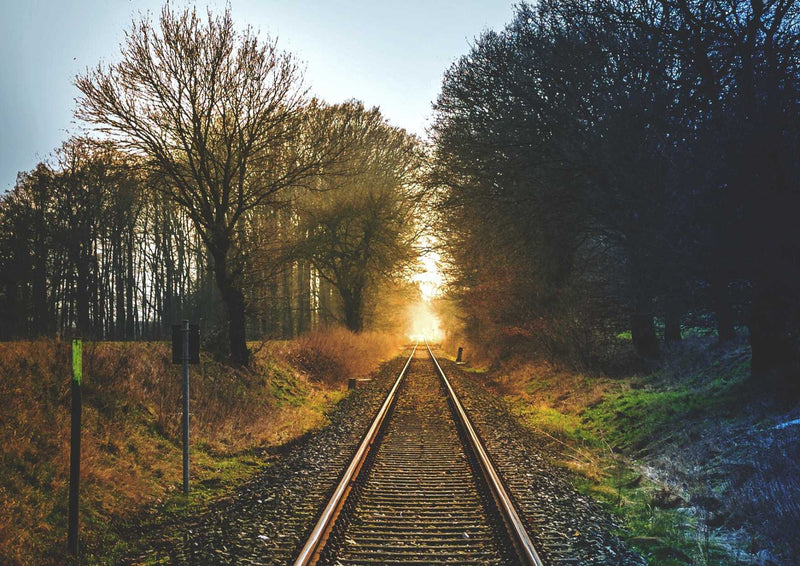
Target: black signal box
177,343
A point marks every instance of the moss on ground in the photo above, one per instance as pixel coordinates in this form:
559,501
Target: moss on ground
598,423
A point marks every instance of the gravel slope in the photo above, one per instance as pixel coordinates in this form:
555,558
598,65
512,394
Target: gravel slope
568,527
266,520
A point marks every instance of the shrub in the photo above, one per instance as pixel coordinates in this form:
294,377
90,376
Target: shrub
334,355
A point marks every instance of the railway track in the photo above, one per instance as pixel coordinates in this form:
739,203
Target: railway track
420,488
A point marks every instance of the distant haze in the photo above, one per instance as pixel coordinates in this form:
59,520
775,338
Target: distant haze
388,54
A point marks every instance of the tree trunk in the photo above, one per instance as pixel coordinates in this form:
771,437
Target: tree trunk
170,313
119,289
41,318
130,287
353,310
274,312
722,308
774,339
287,313
643,330
95,298
672,321
233,299
82,290
304,297
325,303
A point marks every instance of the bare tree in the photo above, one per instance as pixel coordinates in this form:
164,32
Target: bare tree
221,116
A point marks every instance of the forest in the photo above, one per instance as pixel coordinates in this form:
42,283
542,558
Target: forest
609,190
626,169
214,189
598,171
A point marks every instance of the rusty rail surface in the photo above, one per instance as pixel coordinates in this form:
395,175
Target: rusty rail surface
510,522
503,500
326,520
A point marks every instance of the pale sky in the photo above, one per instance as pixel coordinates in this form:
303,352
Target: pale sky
387,54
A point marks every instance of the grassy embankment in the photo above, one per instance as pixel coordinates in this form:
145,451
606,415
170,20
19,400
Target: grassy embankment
131,443
605,429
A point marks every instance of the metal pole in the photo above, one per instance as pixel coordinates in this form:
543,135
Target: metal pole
75,447
186,406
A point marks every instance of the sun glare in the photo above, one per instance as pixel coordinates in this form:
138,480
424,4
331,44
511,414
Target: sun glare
423,322
429,278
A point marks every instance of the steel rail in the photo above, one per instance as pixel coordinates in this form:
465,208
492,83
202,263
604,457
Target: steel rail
316,540
506,506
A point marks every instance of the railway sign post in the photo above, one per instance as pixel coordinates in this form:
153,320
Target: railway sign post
75,447
185,350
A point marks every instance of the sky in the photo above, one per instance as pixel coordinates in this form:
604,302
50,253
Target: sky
387,54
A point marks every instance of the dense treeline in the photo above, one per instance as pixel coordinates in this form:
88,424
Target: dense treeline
87,250
609,164
198,204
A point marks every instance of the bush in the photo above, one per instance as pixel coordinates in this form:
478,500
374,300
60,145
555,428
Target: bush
334,355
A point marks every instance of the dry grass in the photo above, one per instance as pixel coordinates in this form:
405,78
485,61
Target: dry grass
131,441
35,423
334,355
548,387
477,356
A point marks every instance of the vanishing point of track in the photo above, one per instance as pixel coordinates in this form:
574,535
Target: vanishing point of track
420,488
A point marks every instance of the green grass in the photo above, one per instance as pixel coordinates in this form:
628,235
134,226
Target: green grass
633,419
598,421
147,532
655,405
286,389
563,426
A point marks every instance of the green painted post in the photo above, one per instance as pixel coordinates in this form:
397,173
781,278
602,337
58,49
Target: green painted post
75,447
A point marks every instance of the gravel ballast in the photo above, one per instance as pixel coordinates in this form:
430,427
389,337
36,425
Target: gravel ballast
568,527
266,520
